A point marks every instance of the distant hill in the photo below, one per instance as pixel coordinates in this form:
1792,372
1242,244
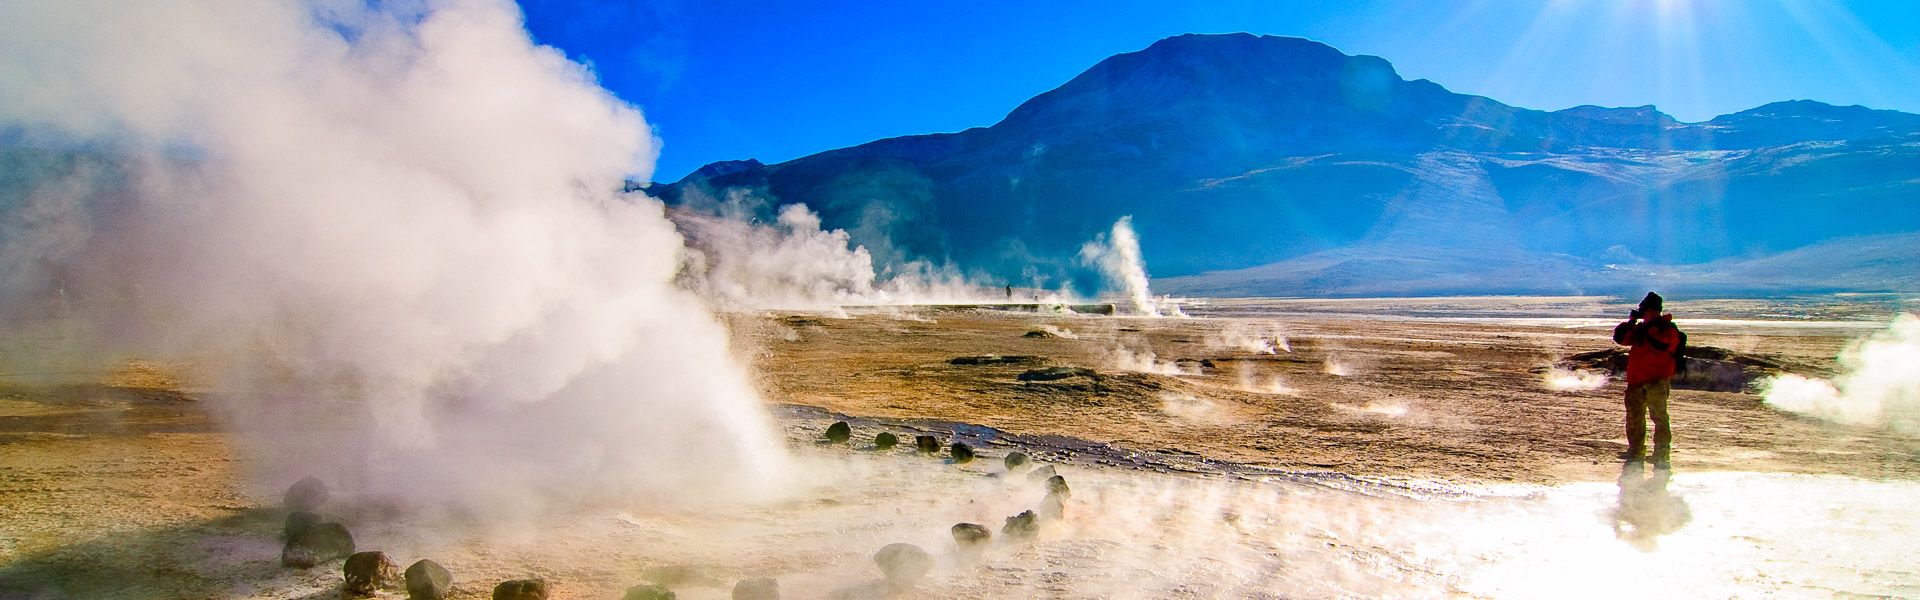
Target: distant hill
1280,166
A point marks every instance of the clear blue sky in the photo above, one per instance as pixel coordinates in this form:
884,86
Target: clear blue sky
724,79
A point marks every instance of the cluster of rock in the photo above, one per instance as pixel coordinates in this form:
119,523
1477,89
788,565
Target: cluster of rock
1707,368
311,541
841,431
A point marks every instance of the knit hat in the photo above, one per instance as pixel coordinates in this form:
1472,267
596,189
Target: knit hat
1653,299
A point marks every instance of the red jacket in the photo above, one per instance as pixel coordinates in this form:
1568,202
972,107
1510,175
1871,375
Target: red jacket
1652,341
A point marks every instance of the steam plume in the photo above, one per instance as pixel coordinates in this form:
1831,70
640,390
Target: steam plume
1117,255
386,230
1880,385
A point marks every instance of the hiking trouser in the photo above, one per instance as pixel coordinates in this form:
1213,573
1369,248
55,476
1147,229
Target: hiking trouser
1644,399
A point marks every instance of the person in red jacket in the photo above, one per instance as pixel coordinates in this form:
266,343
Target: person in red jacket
1650,367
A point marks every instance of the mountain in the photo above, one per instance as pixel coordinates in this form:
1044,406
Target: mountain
1284,160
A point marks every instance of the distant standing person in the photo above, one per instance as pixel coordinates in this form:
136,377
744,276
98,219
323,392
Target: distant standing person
1651,364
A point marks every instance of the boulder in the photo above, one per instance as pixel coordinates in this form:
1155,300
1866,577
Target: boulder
1055,373
885,440
961,452
682,575
306,495
1057,485
1021,526
369,572
1054,506
521,589
757,588
839,432
903,564
427,580
1708,368
298,522
648,591
994,359
926,443
1016,460
317,544
969,535
1041,474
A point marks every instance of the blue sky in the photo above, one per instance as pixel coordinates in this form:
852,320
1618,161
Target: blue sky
727,79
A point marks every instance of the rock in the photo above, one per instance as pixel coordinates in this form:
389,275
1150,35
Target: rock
317,544
298,522
521,589
369,572
1708,368
1016,460
1021,526
885,440
1039,335
1058,485
758,588
306,495
961,452
926,443
1054,506
427,580
682,576
648,591
995,359
839,432
1055,373
903,564
1041,474
969,535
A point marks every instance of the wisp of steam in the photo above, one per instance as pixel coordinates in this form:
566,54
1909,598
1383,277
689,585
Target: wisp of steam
1879,384
392,234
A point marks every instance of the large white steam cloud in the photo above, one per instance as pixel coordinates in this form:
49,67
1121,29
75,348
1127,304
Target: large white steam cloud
393,235
1879,385
794,263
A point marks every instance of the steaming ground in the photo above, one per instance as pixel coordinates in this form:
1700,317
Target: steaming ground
1391,480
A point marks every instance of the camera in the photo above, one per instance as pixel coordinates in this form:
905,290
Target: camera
1633,314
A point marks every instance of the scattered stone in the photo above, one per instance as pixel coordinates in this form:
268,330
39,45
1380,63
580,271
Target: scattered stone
758,588
1056,373
969,535
961,452
306,495
995,359
317,544
885,440
839,432
648,591
1043,473
427,580
521,589
1039,335
369,572
926,443
298,522
1016,460
903,564
1058,485
1021,526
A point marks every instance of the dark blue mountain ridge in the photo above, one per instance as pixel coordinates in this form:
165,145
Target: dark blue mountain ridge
1237,151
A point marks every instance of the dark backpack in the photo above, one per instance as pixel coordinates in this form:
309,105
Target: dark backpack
1680,352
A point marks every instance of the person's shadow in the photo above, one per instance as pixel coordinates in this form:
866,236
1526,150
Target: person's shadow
1647,510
